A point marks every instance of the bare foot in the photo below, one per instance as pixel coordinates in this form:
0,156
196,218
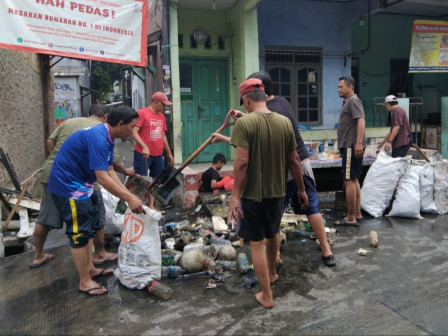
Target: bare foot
273,278
278,260
268,304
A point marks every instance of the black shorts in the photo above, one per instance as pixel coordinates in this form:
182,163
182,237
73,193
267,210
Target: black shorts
261,219
81,217
351,165
401,151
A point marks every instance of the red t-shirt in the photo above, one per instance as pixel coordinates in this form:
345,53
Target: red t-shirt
152,127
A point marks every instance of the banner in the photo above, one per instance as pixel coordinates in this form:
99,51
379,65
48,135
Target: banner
102,30
429,49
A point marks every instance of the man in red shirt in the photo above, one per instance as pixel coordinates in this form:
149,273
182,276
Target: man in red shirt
151,140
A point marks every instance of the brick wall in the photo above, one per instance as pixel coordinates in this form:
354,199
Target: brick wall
26,107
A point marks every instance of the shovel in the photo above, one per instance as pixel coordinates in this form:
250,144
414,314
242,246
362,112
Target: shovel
166,184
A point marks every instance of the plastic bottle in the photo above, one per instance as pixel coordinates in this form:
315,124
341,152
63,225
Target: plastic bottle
170,227
182,225
193,275
204,233
121,207
208,225
227,264
204,248
302,233
171,252
307,226
167,260
172,271
219,241
250,281
373,238
243,264
160,290
197,244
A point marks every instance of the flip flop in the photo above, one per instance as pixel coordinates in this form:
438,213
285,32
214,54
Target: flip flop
89,291
111,257
48,258
343,222
329,261
103,272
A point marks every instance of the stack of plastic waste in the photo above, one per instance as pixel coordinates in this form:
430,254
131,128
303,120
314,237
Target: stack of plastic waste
202,248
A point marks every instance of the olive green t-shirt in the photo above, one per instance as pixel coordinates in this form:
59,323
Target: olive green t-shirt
61,133
269,137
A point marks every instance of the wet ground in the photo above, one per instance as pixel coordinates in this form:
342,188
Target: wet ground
399,288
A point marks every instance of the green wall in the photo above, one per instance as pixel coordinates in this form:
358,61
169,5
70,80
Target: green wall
390,38
239,27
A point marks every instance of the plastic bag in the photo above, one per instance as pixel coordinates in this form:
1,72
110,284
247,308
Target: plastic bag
139,254
114,220
370,151
441,186
380,182
427,202
220,184
407,197
229,185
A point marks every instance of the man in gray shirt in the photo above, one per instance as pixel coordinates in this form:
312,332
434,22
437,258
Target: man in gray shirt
351,129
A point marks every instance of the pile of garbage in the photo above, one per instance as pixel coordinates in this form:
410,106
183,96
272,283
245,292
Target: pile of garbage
151,249
198,245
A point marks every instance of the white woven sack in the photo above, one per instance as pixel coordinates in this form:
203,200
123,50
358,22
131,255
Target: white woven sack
407,198
441,186
380,182
139,254
427,202
114,221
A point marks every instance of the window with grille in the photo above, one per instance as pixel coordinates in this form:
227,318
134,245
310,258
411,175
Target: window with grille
297,75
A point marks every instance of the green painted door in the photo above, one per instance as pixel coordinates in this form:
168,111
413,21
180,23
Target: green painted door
204,105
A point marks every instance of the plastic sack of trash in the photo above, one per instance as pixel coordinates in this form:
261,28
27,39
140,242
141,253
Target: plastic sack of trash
407,198
427,202
441,186
380,182
114,220
139,254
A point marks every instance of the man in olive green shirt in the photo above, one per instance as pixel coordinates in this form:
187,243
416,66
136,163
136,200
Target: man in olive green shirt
265,150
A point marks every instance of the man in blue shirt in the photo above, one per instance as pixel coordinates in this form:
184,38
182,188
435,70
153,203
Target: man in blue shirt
84,158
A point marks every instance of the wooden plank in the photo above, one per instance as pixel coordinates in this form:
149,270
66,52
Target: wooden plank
11,214
26,203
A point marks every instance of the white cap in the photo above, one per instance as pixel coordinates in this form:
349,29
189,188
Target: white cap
390,98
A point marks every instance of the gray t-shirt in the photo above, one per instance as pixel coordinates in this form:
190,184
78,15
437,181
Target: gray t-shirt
347,128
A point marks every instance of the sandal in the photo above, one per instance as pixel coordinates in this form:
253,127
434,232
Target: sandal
343,222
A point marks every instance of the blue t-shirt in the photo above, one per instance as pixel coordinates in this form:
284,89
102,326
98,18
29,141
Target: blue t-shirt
73,171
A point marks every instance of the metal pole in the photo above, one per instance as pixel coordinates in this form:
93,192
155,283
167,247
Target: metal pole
166,61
